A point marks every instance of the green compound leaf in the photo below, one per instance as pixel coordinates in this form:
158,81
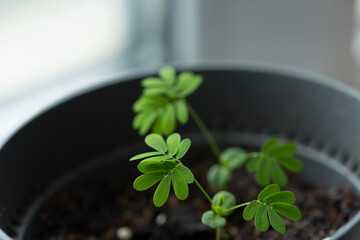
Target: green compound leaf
162,102
276,222
209,218
219,176
268,164
233,158
290,163
156,142
249,211
144,155
147,180
261,221
183,148
186,172
223,200
180,186
268,190
284,197
287,210
182,112
173,142
159,158
162,191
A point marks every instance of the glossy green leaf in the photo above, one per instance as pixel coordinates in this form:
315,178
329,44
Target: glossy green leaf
162,191
156,142
261,221
268,190
147,180
269,144
158,125
284,150
147,166
253,164
173,142
169,119
168,75
183,148
287,210
144,155
219,176
228,201
249,211
180,186
181,112
139,118
284,197
262,174
209,218
277,174
233,157
290,163
276,222
186,172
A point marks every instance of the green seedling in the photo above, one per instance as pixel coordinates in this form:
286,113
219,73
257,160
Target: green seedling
163,103
160,107
165,166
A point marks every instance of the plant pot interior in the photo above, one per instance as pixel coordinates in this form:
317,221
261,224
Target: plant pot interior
92,131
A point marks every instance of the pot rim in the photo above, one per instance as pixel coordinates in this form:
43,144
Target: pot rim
210,65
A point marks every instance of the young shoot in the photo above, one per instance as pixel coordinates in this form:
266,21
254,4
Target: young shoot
163,103
165,165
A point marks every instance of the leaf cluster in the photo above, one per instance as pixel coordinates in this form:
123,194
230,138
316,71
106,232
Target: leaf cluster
269,163
164,165
271,202
162,102
221,203
220,175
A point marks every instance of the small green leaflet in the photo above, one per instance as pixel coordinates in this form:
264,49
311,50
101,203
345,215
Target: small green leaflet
164,166
162,102
211,219
219,176
270,203
269,163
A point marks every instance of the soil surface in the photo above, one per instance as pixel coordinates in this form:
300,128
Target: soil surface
108,208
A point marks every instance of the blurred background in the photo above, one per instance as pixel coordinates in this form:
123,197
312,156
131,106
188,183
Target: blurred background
50,49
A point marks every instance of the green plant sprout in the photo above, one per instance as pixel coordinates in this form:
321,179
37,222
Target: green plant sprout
163,103
165,165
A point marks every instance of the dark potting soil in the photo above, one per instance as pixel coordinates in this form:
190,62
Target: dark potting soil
107,207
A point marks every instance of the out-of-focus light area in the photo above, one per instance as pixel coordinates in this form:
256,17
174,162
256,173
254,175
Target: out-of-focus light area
41,40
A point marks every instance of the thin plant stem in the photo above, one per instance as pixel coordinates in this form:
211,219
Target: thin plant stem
205,131
218,230
238,206
203,191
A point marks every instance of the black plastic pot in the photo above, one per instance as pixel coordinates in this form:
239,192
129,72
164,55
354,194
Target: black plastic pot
241,105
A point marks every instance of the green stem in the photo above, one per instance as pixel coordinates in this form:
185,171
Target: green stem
215,148
238,206
218,230
203,191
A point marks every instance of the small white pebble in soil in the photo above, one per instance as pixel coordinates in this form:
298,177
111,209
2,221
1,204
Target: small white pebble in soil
124,233
161,219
